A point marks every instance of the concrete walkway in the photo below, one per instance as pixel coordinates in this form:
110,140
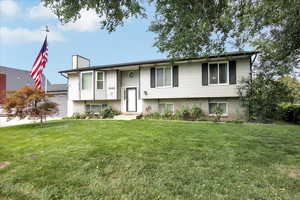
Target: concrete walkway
125,117
15,121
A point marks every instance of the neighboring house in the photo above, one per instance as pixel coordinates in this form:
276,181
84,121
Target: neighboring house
60,96
157,85
13,79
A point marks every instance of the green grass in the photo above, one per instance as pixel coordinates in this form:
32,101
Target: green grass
149,160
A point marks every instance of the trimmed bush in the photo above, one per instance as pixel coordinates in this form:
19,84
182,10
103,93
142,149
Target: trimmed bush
108,112
290,112
185,113
197,113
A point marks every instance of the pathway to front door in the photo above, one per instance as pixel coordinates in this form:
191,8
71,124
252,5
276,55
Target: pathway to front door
131,100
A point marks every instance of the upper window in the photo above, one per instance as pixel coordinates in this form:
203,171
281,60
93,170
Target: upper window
218,73
86,80
163,76
100,80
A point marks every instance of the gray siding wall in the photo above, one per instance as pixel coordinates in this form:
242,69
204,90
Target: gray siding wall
61,100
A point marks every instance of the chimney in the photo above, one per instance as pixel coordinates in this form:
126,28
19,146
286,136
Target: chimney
80,62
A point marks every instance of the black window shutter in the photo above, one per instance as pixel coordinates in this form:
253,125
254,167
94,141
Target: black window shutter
232,72
175,76
204,73
152,77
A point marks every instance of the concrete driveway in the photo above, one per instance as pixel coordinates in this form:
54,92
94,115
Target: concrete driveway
16,121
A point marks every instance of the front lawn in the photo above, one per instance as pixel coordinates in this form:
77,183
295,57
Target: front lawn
150,160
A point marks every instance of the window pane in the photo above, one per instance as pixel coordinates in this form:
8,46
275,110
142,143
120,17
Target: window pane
169,107
168,75
87,107
213,73
160,77
223,73
99,76
86,80
161,108
212,107
96,108
100,85
223,107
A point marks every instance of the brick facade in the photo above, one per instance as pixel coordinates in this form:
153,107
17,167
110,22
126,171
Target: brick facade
2,87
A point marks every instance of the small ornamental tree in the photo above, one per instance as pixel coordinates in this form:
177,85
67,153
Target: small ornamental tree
29,102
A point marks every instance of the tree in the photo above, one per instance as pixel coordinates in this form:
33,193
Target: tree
262,95
29,102
188,28
294,86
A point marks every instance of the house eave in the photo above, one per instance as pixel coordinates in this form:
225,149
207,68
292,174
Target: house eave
230,55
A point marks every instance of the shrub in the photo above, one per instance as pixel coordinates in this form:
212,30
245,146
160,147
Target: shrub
218,113
155,115
76,116
290,112
108,112
168,114
184,113
197,113
89,114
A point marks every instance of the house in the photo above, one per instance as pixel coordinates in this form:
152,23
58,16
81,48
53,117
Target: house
157,85
60,96
14,79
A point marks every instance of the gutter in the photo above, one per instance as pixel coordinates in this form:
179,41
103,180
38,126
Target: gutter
162,61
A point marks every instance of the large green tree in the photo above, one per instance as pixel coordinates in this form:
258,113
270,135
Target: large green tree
188,28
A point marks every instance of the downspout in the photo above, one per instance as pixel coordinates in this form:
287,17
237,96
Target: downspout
94,89
251,78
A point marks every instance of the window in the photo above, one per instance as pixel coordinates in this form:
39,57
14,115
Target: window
212,108
100,80
163,76
86,80
218,73
166,107
95,108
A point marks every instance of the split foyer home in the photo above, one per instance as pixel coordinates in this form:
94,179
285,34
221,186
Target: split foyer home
158,85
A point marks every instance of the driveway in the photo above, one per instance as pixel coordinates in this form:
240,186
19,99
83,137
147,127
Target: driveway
16,121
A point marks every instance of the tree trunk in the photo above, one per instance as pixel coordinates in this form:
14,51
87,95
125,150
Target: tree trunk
41,120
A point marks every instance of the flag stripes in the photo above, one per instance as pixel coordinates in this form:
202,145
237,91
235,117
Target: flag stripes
39,65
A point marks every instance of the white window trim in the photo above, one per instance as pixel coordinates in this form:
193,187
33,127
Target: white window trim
220,62
224,114
173,110
95,104
86,72
102,80
169,86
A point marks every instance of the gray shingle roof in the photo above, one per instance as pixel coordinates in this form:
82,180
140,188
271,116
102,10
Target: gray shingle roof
57,87
228,54
18,78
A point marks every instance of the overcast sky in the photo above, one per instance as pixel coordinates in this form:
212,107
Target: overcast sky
21,37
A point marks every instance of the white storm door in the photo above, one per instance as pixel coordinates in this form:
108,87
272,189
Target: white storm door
131,99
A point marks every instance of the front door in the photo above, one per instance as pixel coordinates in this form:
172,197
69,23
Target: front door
131,99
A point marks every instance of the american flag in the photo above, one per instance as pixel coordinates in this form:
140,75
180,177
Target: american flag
39,65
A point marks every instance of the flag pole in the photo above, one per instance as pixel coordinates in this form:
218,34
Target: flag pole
46,81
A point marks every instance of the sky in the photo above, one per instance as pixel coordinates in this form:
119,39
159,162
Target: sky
21,36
